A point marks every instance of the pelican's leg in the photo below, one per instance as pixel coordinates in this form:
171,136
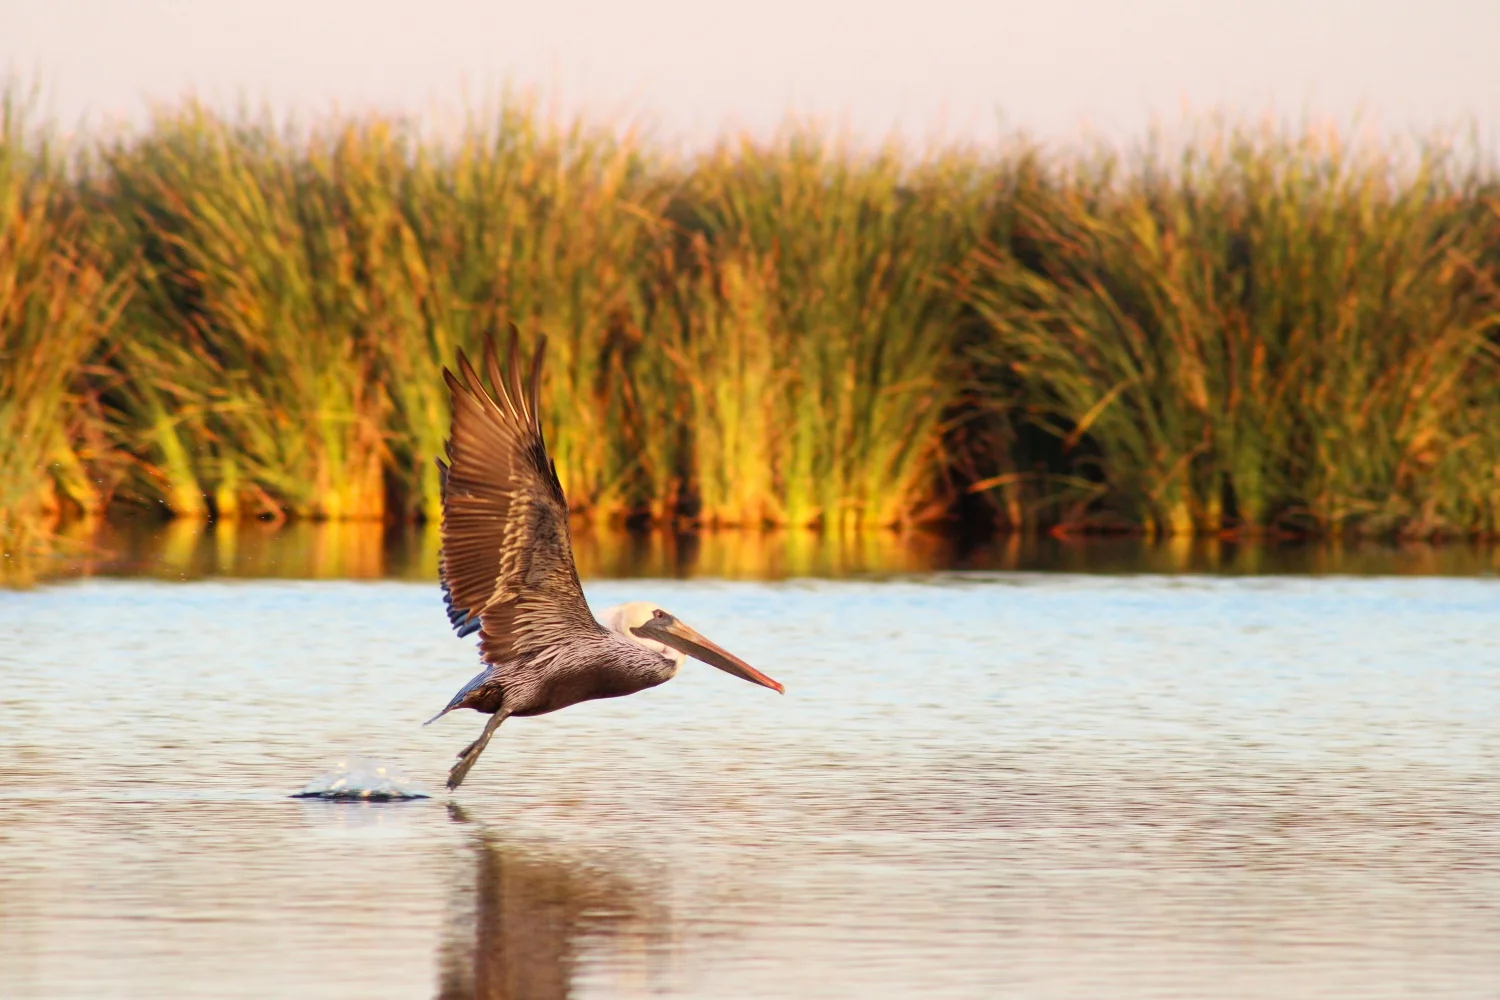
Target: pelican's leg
471,753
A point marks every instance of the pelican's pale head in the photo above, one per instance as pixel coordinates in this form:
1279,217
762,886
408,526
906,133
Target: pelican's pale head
622,619
649,626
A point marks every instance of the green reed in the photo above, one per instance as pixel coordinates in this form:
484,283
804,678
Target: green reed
57,302
222,316
1272,331
245,370
300,295
520,221
815,331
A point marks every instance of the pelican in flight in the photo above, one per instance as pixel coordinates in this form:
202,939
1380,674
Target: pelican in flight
507,570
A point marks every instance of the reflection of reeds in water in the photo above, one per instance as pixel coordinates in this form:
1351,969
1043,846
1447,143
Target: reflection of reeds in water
757,555
526,924
66,547
187,549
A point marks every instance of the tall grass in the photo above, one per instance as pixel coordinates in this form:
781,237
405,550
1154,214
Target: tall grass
815,329
1275,330
56,304
301,293
246,370
221,316
520,221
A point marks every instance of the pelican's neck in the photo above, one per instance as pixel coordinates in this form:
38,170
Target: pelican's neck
621,618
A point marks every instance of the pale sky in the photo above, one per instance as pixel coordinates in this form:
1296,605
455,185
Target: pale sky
692,69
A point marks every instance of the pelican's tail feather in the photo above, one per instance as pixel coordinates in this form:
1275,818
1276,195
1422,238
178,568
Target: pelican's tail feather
463,692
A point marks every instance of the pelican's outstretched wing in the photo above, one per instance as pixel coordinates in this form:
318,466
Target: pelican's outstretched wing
507,558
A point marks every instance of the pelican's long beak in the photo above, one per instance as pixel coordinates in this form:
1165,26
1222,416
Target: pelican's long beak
674,633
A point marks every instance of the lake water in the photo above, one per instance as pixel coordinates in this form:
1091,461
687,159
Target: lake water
989,783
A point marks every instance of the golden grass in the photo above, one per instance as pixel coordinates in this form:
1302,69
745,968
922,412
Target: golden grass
222,317
1275,331
56,303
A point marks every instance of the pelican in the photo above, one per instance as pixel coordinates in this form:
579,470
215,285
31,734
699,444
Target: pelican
507,570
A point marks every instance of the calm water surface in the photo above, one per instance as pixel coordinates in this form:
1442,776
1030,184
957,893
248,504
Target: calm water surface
979,784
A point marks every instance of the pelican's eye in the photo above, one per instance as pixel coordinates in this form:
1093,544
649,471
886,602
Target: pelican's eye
659,614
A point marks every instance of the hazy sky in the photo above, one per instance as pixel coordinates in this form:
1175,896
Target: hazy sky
691,69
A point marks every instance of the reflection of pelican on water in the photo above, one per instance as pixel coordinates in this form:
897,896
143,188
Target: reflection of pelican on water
530,921
507,570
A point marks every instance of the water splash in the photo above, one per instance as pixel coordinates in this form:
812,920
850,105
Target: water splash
355,778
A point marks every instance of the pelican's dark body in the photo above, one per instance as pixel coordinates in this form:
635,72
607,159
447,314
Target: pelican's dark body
608,667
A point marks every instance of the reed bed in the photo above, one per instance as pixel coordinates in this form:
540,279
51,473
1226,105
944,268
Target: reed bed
57,301
1273,332
221,317
813,323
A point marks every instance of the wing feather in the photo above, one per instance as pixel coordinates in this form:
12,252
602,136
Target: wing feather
507,556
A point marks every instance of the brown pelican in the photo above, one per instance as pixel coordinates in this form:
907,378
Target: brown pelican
507,570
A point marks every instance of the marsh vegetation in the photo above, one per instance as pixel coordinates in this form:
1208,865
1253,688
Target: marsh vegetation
222,317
